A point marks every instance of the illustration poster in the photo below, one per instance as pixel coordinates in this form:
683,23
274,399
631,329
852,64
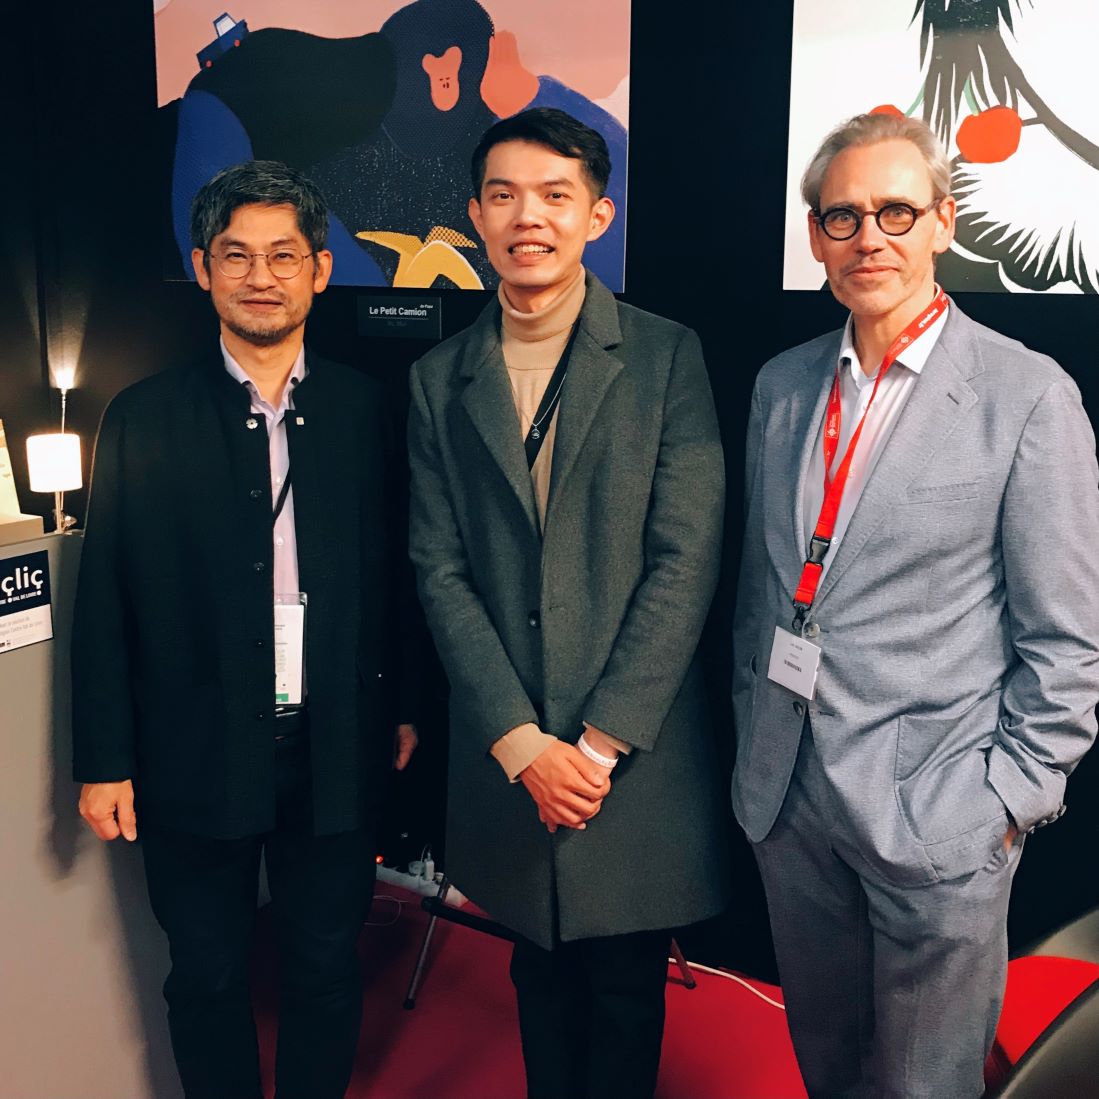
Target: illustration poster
1010,86
381,103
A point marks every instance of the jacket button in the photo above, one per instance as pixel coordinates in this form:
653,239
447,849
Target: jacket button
259,566
259,642
534,619
799,708
812,629
260,715
256,494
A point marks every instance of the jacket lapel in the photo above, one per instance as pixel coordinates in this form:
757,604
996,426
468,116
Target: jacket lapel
319,479
787,452
806,416
489,404
940,397
592,371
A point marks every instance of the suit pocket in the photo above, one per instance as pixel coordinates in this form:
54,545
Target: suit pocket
181,733
943,493
941,776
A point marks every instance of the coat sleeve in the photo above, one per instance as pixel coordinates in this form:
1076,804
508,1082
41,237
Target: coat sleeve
661,629
751,566
102,697
1050,531
481,674
405,616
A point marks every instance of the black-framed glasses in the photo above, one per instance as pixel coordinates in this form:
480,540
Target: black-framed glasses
894,219
284,263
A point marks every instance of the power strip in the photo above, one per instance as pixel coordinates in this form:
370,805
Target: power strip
416,884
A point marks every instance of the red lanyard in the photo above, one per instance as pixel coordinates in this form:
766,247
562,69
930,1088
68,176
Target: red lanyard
834,485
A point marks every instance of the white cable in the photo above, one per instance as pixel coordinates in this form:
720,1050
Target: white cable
732,977
388,923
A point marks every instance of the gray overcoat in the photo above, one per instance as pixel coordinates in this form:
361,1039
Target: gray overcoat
598,620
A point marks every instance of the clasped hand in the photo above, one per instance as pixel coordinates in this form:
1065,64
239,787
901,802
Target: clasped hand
567,787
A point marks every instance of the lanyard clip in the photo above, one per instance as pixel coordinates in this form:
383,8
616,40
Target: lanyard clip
818,549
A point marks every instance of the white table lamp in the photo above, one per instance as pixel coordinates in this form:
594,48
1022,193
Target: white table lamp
54,464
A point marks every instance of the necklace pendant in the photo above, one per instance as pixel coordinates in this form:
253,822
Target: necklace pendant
535,433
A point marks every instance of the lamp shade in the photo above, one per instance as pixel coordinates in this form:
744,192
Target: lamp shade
54,462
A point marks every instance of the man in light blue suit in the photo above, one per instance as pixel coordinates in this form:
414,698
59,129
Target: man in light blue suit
916,638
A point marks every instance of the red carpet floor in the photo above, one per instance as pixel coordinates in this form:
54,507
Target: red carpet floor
462,1041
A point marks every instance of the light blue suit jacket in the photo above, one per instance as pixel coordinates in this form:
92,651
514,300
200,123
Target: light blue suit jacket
959,618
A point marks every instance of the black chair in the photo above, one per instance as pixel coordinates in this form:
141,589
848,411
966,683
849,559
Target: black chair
1063,1061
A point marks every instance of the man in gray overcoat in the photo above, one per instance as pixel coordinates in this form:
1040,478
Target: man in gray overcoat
917,635
567,487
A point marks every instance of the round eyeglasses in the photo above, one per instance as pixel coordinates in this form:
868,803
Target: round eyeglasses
284,263
894,219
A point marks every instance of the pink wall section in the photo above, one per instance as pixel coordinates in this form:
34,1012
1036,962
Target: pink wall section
582,43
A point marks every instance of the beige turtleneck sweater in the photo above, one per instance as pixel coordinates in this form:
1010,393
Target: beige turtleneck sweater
532,346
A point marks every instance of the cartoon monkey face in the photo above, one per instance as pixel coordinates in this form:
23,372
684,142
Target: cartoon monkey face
442,75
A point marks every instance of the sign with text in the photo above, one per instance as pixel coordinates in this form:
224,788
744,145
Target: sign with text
410,318
25,611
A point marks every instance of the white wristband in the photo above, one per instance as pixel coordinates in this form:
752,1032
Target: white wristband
594,756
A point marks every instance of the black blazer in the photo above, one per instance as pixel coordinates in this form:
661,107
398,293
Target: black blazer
173,639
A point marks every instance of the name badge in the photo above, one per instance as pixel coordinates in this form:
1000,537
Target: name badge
289,648
794,663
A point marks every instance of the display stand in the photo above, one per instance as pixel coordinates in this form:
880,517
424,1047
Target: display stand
81,958
437,908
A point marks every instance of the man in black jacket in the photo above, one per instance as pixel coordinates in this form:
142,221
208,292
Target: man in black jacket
232,685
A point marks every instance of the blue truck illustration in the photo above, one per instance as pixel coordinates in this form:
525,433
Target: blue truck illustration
230,34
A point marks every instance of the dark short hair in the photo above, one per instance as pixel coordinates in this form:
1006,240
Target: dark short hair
558,131
262,182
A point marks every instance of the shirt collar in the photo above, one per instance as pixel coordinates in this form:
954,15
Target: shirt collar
914,357
236,371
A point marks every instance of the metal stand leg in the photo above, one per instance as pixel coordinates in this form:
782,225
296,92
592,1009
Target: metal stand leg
421,961
688,977
433,905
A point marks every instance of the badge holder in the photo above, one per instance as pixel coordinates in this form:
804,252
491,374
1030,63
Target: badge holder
290,648
794,663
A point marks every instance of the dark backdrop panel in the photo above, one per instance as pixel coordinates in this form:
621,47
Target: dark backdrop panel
707,170
23,398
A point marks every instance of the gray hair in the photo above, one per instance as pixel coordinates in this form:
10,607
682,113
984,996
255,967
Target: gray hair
869,129
262,182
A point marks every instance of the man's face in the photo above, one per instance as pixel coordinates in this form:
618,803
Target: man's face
535,214
260,308
874,274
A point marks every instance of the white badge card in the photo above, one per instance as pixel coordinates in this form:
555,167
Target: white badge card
289,648
794,663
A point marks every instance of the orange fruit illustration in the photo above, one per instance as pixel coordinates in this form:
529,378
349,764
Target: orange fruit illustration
991,136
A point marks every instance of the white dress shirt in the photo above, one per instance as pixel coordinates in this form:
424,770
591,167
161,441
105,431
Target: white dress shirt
284,539
855,390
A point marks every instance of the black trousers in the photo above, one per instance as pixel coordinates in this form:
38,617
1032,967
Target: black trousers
591,1015
203,893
